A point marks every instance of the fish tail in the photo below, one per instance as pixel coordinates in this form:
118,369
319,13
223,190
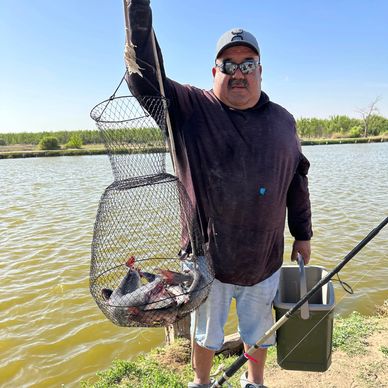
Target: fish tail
194,284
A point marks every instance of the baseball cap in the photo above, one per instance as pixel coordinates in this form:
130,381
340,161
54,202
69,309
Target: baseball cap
236,37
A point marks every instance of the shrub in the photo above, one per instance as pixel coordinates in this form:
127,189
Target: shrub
355,131
75,141
49,143
3,142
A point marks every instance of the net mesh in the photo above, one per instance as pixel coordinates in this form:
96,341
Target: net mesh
141,271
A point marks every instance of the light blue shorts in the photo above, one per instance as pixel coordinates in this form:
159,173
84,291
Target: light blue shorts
254,312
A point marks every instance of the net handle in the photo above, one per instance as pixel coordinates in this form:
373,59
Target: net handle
160,82
162,92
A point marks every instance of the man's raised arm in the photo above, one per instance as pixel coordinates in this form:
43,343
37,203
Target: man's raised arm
139,51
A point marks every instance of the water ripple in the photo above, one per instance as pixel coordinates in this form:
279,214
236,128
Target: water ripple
51,331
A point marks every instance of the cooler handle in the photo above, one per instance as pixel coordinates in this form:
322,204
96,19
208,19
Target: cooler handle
304,310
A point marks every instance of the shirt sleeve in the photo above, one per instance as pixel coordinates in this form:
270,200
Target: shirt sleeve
140,30
179,96
298,203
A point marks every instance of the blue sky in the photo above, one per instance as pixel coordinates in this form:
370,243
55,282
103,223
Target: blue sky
60,58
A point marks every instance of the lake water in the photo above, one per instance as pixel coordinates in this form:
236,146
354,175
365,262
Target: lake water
51,331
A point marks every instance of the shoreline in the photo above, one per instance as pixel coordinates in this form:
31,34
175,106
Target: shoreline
21,154
28,151
359,359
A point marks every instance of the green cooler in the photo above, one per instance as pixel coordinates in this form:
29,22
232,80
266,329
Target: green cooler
304,342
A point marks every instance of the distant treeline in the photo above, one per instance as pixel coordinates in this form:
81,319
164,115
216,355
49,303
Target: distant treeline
87,136
332,128
342,127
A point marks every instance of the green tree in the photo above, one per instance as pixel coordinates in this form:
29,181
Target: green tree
49,143
355,131
75,141
311,127
377,125
303,127
320,127
342,125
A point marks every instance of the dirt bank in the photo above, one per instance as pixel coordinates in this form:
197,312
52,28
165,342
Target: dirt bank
347,370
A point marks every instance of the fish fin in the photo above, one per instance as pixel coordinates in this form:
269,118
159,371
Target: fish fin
174,278
150,277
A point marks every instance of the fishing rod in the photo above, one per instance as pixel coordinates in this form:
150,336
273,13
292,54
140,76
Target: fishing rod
229,372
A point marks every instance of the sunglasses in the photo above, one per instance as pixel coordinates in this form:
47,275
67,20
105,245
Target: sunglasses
246,67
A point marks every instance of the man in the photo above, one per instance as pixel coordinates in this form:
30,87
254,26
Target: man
240,160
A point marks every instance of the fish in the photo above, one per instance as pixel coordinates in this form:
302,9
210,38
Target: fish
160,317
183,287
198,270
128,284
161,291
156,302
191,285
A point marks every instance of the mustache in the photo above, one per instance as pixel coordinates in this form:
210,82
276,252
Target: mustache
238,82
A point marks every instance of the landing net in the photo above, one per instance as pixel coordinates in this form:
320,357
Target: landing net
148,266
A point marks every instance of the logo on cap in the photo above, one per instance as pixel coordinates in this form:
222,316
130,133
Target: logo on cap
237,32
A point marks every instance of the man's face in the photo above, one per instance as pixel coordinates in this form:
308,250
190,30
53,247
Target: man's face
238,91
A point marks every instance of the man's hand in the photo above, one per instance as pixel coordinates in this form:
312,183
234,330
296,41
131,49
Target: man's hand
304,248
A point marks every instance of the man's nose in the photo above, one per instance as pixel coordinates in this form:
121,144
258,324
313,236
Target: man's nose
238,74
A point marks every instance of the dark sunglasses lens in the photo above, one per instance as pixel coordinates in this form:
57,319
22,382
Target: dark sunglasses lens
230,67
247,67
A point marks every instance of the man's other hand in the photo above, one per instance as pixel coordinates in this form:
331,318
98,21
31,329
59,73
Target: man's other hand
302,247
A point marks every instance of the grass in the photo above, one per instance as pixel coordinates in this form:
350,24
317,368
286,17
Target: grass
170,366
351,140
167,366
162,367
384,350
350,333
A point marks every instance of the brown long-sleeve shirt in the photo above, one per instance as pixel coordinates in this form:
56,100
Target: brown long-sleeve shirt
241,168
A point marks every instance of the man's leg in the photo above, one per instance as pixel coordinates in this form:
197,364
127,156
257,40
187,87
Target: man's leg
202,360
254,310
207,327
256,370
